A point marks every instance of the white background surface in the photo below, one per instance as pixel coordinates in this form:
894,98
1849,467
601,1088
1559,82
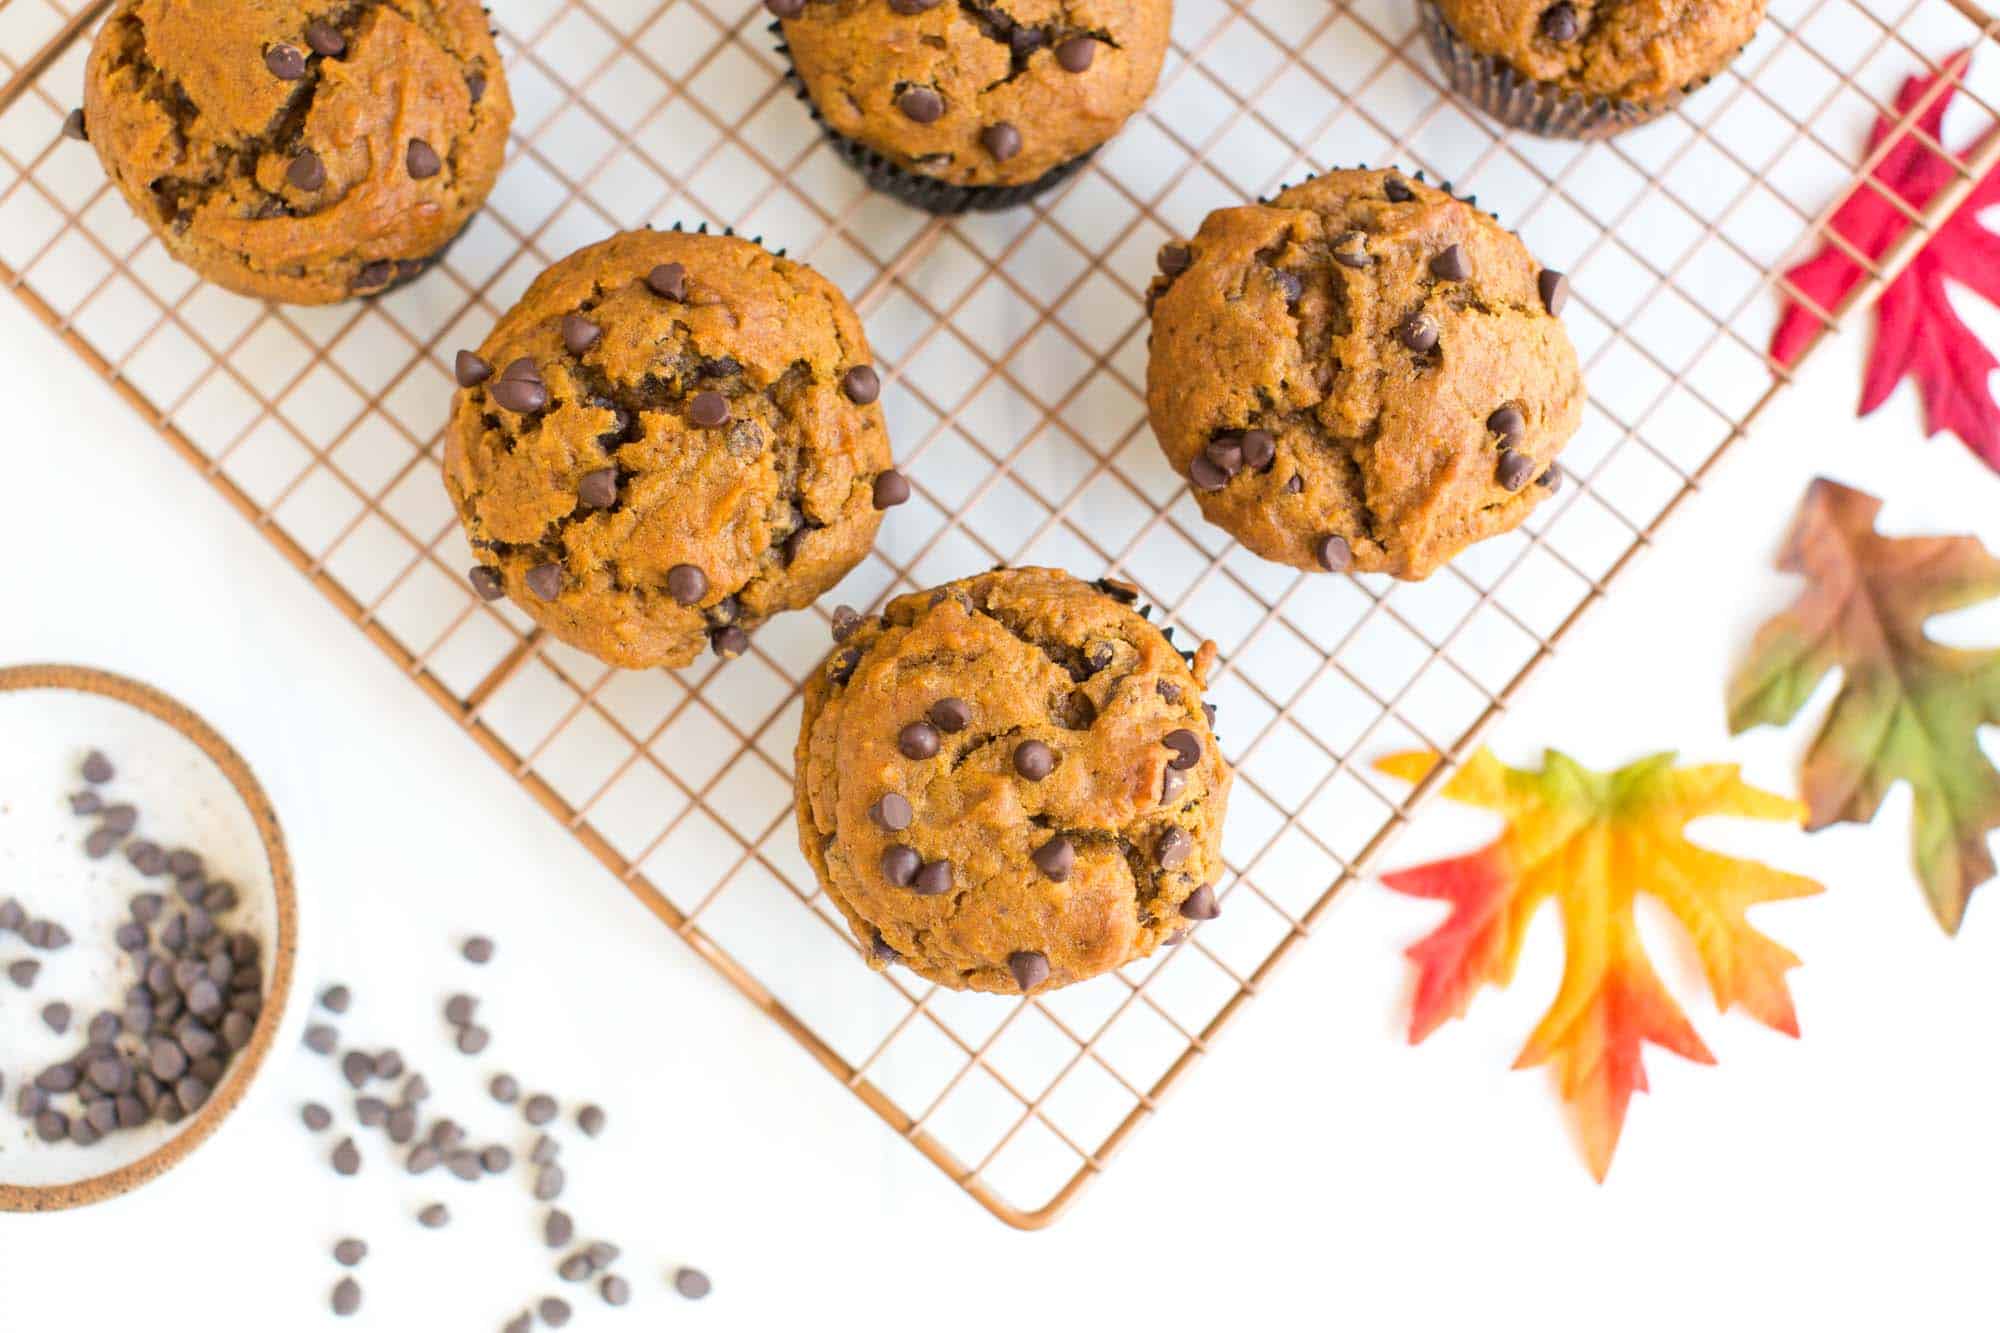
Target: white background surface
1315,1172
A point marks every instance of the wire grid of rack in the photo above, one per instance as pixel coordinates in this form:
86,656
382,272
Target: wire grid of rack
1013,351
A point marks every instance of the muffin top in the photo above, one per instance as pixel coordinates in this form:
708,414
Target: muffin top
1364,373
299,150
670,438
1009,783
973,93
1624,50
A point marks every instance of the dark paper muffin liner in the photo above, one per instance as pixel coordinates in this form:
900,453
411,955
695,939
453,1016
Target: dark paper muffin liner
920,191
1495,87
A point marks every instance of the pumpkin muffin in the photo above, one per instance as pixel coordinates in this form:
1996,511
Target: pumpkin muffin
299,150
967,104
671,438
1585,69
1009,783
1364,373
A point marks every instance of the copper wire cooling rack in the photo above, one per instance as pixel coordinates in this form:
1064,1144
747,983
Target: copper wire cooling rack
1013,350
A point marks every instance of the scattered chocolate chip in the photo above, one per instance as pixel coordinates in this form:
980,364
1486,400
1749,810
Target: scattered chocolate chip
1030,970
615,1290
1033,760
472,1040
1551,481
346,1296
56,1014
708,408
97,768
861,385
101,843
306,172
1514,470
1419,332
1075,53
545,581
495,1159
1201,905
1055,858
372,1112
1260,449
73,126
1291,284
520,387
539,1109
554,1311
470,370
422,1158
891,489
285,62
933,878
1559,22
349,1252
23,972
1333,553
82,803
121,819
921,104
1554,289
900,865
1175,846
892,812
1350,249
950,715
1451,265
422,160
729,642
357,1068
575,1268
321,1039
434,1215
579,334
1397,190
478,949
669,280
548,1183
1508,423
1002,141
557,1229
324,38
346,1157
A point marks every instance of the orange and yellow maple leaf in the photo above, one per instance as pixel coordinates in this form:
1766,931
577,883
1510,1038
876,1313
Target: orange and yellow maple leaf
1593,842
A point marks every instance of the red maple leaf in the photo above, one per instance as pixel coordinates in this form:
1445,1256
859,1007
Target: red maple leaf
1917,333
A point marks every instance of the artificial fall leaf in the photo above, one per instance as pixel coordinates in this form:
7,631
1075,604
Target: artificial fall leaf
1593,842
1917,333
1909,708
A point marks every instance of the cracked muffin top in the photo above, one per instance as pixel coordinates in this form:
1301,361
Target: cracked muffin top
299,150
1625,50
1009,783
977,93
1364,373
671,438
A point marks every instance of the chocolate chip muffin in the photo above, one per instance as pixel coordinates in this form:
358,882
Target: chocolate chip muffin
1009,783
952,106
299,150
1364,373
1575,69
671,438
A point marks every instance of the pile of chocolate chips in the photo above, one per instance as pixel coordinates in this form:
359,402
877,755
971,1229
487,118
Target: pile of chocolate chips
196,992
391,1099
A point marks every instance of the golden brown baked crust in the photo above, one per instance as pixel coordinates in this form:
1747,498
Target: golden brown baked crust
771,505
201,111
868,64
1132,778
1352,449
1625,50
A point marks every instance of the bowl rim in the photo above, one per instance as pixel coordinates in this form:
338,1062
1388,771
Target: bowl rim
278,982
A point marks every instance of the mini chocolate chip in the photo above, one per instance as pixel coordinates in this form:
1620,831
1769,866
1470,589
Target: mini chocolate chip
1333,553
1205,475
1034,760
549,1183
591,1119
1260,448
1075,53
1397,190
545,581
1554,289
785,9
686,584
1507,422
728,642
286,62
599,488
554,1311
376,273
81,803
1292,285
349,1252
346,1297
346,1157
321,1039
933,878
1294,484
1559,22
708,408
861,385
1030,970
1351,250
920,104
900,865
1055,858
1185,745
1001,140
669,280
73,127
579,334
121,819
56,1015
23,972
891,489
615,1290
1419,332
486,581
470,370
1551,481
1174,258
917,740
950,715
324,38
1514,470
557,1227
422,160
1201,905
306,171
1451,265
336,999
892,812
883,951
520,387
1174,848
434,1215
